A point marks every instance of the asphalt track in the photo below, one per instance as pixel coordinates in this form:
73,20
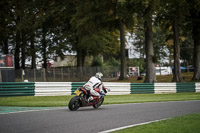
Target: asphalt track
89,120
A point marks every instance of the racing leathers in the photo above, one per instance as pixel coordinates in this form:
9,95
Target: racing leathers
94,82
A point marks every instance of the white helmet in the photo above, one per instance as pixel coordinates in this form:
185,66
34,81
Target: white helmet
99,75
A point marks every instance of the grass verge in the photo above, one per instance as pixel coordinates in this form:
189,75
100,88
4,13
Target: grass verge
58,101
182,124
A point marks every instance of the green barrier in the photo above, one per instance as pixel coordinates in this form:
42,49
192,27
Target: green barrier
17,89
75,85
185,87
142,88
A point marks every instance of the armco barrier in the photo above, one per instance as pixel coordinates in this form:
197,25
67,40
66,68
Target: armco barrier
185,87
141,88
67,88
52,88
118,88
17,89
75,85
160,88
197,87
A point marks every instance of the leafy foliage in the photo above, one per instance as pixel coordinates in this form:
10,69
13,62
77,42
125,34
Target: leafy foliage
33,29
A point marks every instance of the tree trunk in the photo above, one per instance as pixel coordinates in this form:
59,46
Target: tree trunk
33,55
4,28
44,46
5,46
17,46
80,63
83,60
122,46
177,71
17,50
150,67
196,37
80,57
23,57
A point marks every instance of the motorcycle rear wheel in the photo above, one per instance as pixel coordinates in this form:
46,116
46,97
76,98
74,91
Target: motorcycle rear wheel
74,103
97,105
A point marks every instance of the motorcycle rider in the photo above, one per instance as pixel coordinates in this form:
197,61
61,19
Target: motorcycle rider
94,82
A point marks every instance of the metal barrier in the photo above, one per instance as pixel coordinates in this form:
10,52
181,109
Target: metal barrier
197,87
17,89
75,85
68,88
160,88
52,88
118,88
185,87
141,88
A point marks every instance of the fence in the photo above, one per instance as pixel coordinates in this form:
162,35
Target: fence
72,74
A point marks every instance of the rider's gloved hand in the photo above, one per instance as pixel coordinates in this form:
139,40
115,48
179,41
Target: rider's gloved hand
102,92
90,98
100,96
108,89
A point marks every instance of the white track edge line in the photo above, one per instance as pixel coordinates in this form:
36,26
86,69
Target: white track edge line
29,111
124,127
102,105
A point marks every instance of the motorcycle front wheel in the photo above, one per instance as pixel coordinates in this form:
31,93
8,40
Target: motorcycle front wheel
97,105
74,103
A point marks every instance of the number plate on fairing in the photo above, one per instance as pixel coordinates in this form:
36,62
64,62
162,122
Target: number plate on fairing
77,92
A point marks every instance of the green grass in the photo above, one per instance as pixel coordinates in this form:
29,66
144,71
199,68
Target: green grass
182,124
58,101
35,101
141,98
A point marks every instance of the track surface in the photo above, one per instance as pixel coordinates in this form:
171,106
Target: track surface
89,120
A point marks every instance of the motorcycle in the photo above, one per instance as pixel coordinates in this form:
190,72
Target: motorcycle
81,99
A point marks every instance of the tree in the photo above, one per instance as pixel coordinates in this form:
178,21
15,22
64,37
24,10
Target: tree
5,15
122,47
195,17
90,23
124,17
30,28
18,14
87,31
177,71
150,67
180,11
147,9
17,29
187,50
102,17
49,25
174,13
